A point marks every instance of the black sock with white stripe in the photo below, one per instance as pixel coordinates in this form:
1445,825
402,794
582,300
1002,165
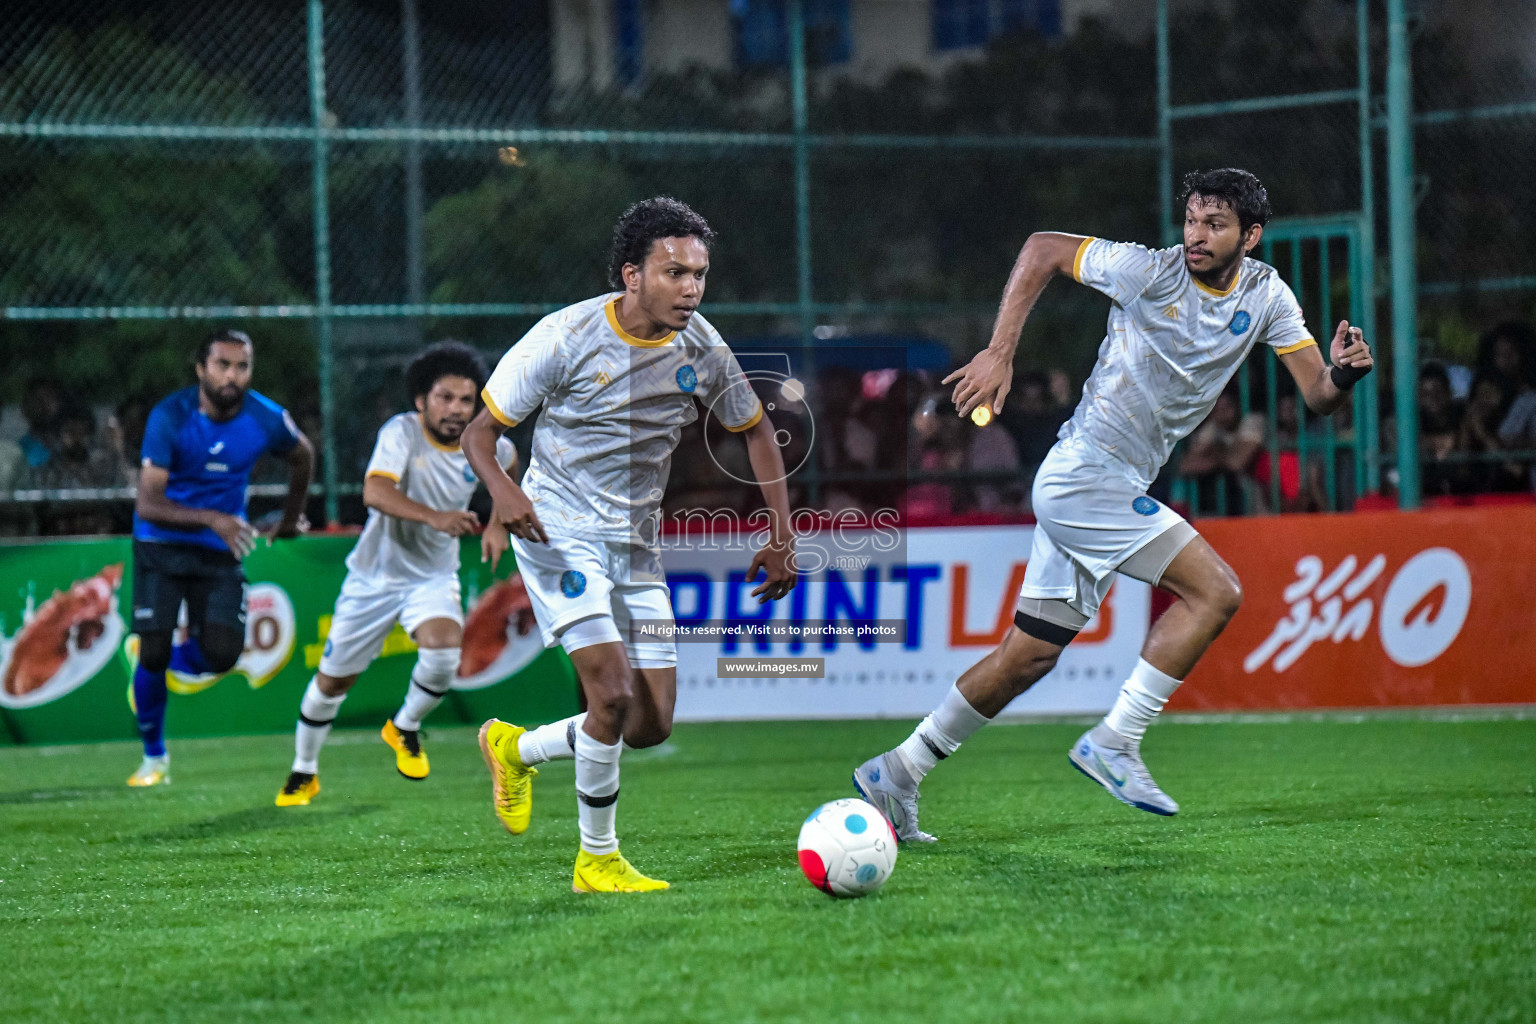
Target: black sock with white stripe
316,713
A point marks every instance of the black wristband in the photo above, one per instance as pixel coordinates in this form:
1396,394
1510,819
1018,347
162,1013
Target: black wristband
1346,377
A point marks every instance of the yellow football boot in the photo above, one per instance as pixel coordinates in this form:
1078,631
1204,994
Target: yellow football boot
410,759
611,873
153,771
299,790
511,780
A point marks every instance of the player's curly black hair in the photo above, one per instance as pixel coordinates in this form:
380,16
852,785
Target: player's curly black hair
646,221
224,334
444,359
1236,189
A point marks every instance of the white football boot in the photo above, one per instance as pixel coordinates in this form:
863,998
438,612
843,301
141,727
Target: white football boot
1117,766
876,781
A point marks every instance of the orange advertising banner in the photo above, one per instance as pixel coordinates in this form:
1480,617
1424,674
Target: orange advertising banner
1374,610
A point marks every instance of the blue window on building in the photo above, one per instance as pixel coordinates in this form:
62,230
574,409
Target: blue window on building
629,41
961,23
762,32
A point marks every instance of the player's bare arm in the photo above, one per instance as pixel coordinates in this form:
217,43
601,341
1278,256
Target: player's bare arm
987,378
384,494
1326,388
153,506
511,509
301,469
777,557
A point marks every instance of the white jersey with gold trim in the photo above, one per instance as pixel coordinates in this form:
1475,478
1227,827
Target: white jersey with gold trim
614,408
435,475
1173,344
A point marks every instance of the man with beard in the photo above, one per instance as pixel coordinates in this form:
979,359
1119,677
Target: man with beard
189,527
405,567
1182,321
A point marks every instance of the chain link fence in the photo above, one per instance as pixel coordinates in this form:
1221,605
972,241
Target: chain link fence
160,167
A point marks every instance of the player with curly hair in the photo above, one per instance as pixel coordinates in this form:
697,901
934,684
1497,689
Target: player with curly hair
405,567
618,376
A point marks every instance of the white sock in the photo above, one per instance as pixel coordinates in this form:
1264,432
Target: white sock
597,792
940,734
1141,698
316,713
553,742
430,682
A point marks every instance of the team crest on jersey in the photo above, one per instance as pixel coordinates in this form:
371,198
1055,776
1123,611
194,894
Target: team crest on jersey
1240,322
687,379
573,583
1144,506
469,475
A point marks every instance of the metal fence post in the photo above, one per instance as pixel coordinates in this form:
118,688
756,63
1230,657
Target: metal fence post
1164,130
804,298
1405,342
322,220
1367,405
410,39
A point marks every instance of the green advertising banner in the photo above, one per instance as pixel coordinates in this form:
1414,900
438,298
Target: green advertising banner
66,656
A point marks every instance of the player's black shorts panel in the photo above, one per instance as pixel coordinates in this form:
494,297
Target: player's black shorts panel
211,582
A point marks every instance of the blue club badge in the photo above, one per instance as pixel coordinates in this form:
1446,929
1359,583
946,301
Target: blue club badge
687,379
1240,322
572,583
469,475
1144,506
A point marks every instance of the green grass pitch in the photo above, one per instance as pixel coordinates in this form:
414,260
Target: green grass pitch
1376,870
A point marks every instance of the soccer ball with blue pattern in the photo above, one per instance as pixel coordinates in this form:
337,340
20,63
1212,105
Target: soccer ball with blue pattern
847,848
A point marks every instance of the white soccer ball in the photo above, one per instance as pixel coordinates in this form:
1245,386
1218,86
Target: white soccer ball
847,848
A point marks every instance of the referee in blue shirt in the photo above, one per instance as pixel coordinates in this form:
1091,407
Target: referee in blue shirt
189,526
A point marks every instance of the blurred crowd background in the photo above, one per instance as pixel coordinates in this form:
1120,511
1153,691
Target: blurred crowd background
160,164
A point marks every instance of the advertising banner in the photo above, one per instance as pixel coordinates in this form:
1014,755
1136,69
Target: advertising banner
1372,610
949,592
66,657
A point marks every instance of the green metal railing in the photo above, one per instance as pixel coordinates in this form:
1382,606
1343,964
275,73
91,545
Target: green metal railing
1356,229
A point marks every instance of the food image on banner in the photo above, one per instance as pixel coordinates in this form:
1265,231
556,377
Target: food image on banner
501,636
63,642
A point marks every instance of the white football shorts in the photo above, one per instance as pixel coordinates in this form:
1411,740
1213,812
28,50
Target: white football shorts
573,579
367,609
1093,519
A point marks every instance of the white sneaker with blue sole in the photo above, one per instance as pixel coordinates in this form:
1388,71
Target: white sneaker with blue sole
876,781
1120,770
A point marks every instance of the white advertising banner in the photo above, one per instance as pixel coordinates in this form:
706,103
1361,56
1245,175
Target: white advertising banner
956,587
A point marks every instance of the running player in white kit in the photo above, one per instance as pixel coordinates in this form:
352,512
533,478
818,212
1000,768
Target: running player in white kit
618,376
1182,321
405,567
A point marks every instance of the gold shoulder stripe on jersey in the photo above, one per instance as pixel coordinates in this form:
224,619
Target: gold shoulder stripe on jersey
1303,343
750,423
490,403
1077,261
386,474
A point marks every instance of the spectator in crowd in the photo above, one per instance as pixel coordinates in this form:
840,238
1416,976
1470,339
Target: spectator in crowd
125,436
40,408
1299,492
13,466
1518,431
1506,356
933,449
992,451
77,461
1439,422
1031,417
1221,458
1479,435
1063,396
